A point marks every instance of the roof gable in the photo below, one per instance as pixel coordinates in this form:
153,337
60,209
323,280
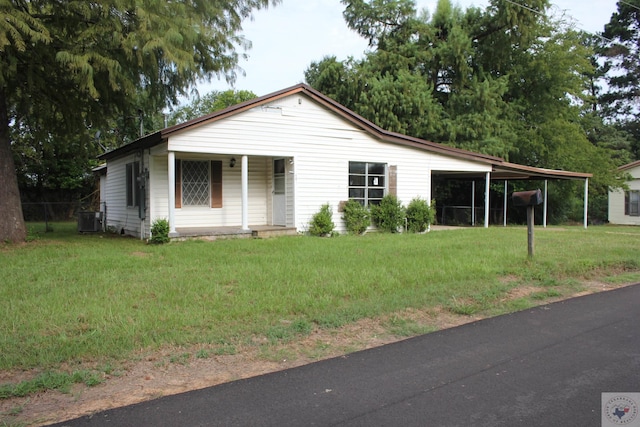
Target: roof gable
355,119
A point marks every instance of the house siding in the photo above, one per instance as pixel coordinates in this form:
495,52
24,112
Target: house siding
319,146
120,217
617,199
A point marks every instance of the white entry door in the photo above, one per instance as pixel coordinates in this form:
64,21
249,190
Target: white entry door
279,193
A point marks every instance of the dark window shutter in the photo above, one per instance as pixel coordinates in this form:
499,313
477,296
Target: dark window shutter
216,184
178,184
129,184
626,203
393,180
135,184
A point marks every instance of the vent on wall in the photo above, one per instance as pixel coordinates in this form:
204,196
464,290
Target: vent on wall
89,222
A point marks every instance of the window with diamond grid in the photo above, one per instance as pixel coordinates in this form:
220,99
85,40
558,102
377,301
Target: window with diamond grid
195,183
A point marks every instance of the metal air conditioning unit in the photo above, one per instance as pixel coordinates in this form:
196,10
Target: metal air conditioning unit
89,222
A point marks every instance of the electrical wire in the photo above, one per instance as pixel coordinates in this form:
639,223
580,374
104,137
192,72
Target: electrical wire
542,14
629,4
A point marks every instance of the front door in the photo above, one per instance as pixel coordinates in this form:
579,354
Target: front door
279,193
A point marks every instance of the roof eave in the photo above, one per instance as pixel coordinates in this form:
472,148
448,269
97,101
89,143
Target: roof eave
629,165
516,171
143,143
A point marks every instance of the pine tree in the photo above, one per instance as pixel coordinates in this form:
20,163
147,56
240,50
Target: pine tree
621,101
70,65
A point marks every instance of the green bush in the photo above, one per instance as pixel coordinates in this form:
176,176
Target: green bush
322,223
389,215
356,217
420,215
159,231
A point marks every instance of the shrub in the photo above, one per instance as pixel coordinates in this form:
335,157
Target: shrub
322,223
389,215
420,215
356,217
159,231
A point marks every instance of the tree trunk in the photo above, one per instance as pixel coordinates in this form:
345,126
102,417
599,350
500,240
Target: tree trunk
12,227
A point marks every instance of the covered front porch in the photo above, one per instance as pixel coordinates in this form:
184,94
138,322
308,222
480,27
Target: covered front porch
237,195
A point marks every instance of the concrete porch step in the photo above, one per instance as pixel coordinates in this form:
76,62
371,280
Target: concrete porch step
262,232
215,233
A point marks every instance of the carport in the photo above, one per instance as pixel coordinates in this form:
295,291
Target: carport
505,172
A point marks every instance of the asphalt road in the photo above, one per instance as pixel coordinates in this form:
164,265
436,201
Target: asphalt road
545,366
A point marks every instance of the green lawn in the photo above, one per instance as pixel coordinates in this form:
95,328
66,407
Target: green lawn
69,298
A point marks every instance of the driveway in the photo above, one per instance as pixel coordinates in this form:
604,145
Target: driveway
546,366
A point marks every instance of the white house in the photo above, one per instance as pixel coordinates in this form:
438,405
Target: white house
273,161
624,206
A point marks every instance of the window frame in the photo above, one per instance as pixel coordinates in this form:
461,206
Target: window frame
632,203
365,182
214,184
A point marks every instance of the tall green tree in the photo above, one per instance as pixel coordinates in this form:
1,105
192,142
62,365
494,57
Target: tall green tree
69,65
208,103
506,80
620,50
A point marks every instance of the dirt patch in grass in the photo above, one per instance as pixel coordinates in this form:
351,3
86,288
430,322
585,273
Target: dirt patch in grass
176,370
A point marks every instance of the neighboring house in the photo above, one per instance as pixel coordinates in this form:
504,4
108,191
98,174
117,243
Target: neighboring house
624,205
273,161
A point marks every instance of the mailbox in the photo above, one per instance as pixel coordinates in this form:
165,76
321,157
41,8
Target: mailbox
527,198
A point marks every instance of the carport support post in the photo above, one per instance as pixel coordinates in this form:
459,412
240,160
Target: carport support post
473,203
487,188
504,212
544,209
530,220
586,200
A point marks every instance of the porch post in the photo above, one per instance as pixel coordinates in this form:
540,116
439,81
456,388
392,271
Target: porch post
504,211
586,200
486,199
544,208
172,191
245,193
473,203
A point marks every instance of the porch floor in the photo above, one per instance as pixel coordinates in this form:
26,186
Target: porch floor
214,233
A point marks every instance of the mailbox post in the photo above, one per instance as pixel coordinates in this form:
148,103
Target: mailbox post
529,199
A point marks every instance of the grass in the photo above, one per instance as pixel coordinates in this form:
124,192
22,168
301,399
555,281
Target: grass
67,298
49,381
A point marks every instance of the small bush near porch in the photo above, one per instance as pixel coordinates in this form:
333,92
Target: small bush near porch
89,299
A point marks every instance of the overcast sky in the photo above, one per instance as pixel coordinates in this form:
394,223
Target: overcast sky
288,37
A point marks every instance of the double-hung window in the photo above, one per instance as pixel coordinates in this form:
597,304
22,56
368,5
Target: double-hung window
632,203
132,193
367,182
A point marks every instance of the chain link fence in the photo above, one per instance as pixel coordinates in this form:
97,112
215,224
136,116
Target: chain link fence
40,215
